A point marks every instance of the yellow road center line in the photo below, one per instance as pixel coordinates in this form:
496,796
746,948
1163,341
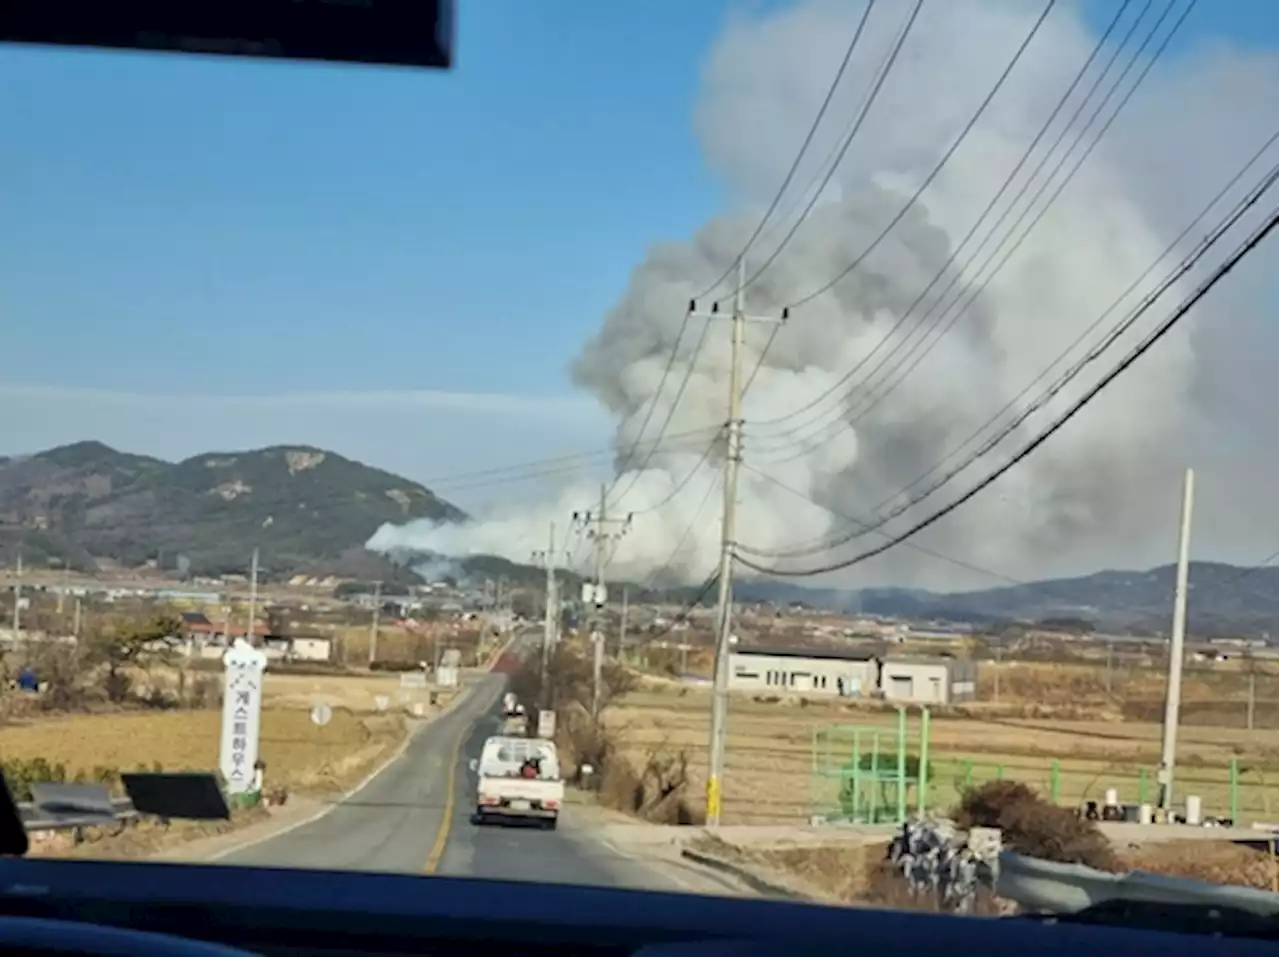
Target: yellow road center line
450,799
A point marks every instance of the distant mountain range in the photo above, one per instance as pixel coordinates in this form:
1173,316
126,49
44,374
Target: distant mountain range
311,511
307,509
1223,600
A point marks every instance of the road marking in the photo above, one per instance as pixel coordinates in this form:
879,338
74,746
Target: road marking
454,704
451,785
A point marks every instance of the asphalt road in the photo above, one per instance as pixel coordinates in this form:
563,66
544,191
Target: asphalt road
415,817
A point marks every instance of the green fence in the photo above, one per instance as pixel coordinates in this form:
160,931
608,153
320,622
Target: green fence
878,774
869,774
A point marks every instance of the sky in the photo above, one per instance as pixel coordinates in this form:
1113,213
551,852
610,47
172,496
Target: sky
211,254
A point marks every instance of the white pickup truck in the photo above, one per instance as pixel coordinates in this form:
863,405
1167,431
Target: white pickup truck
518,778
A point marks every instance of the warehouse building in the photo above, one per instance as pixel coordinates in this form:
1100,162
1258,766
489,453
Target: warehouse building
929,680
846,672
833,671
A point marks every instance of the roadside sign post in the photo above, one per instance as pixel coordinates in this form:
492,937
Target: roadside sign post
241,715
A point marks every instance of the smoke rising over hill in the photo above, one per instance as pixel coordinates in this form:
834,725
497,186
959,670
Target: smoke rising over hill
1104,490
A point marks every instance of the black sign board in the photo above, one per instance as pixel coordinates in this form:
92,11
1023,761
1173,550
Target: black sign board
414,33
189,795
13,833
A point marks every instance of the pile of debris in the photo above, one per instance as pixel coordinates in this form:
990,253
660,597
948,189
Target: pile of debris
945,866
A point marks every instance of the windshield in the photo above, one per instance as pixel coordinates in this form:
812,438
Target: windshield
713,447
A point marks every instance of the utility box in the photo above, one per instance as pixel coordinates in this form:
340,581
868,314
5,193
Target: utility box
547,724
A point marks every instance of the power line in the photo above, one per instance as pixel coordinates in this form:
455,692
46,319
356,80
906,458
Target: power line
1115,304
786,182
679,486
653,402
933,174
1180,270
804,147
1048,587
666,423
1247,247
853,132
866,526
913,356
687,609
822,175
1009,180
656,573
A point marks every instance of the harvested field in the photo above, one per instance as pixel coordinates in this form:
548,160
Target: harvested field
1217,862
300,757
775,774
298,754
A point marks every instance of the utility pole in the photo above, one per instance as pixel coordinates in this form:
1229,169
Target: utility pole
622,626
1177,635
251,622
66,584
373,627
724,602
549,618
17,599
1253,690
999,641
602,529
1110,657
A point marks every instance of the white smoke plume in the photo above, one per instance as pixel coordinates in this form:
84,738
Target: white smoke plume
1104,490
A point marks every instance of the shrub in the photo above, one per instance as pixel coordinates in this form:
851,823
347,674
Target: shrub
1032,826
20,774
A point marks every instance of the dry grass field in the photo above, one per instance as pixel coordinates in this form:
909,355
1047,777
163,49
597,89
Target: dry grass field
299,755
785,754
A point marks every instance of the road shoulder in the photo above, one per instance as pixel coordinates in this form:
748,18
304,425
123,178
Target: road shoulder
299,810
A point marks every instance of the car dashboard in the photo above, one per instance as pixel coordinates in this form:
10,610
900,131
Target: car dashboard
272,911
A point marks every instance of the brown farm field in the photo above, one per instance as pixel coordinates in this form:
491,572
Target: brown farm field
299,755
785,755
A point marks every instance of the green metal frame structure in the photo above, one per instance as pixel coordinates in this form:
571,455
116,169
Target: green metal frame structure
873,774
865,774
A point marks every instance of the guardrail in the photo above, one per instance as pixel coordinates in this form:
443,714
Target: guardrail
36,817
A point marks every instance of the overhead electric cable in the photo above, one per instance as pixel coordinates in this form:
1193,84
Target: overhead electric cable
1256,194
1136,353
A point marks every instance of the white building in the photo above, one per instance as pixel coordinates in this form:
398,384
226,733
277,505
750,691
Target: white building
310,648
833,671
929,680
850,672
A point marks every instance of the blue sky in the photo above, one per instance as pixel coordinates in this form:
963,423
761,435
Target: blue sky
221,227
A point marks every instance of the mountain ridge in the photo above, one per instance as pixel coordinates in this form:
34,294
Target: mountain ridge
302,506
1224,600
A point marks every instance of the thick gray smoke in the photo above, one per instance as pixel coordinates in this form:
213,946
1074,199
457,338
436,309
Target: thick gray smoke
1104,490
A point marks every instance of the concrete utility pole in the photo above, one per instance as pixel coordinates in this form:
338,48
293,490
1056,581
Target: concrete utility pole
66,584
373,627
1253,694
1110,660
601,529
550,619
251,621
622,627
17,599
724,602
1177,635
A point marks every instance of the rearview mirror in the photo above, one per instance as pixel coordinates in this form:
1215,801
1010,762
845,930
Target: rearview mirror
474,765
